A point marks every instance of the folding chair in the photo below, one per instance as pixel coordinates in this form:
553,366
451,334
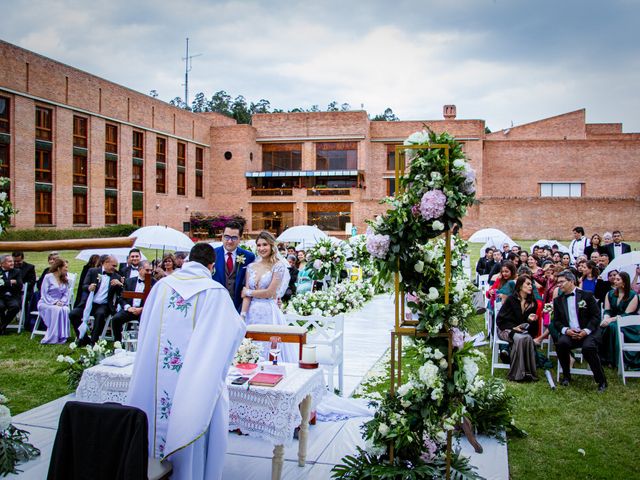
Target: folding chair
35,331
496,341
21,315
628,321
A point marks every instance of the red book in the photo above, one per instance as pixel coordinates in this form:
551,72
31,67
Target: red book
266,379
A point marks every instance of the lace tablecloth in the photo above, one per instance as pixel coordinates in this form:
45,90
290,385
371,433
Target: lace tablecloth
271,413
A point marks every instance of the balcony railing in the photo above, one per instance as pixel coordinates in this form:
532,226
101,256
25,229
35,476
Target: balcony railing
271,192
322,191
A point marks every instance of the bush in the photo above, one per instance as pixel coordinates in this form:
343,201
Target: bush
13,235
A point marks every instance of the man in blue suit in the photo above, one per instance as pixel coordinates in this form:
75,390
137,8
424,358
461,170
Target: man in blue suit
231,262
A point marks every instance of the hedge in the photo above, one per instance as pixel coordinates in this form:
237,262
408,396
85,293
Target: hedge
13,235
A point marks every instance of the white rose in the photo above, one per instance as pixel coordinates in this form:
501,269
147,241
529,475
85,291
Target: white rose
60,358
438,354
383,429
419,266
73,346
443,363
404,389
5,418
433,293
428,373
317,264
323,251
437,225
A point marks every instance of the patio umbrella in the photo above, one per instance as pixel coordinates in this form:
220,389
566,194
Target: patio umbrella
486,234
627,262
160,237
306,235
120,253
550,243
497,242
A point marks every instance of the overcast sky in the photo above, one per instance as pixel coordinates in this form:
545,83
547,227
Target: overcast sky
502,61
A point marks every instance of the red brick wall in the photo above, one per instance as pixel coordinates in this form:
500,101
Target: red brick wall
566,126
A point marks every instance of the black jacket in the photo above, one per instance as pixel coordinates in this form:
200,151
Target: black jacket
28,275
511,315
130,286
15,290
626,248
92,277
588,315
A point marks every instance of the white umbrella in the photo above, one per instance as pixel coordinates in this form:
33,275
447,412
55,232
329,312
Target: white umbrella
627,262
486,234
550,243
306,235
497,242
159,237
120,253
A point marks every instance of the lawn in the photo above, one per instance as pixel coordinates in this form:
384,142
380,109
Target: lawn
560,423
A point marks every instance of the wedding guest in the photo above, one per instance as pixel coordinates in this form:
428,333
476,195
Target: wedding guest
167,267
131,308
532,263
517,321
482,261
180,259
302,259
604,286
291,250
503,285
53,306
635,283
495,268
620,302
514,258
10,291
589,277
304,282
524,257
566,261
130,269
50,258
27,272
293,278
93,262
578,244
594,246
595,256
557,258
607,238
576,318
617,247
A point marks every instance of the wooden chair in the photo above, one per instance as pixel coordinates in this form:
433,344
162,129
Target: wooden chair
628,321
287,334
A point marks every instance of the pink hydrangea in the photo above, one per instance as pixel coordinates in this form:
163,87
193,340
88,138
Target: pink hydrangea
457,338
430,449
432,204
378,245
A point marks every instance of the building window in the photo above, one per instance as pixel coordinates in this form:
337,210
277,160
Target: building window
5,170
329,216
111,139
281,156
138,209
161,150
79,170
391,187
336,156
181,178
44,210
138,144
553,189
161,161
391,157
111,173
5,126
199,189
80,208
199,158
272,217
136,175
43,124
80,132
161,180
43,166
182,154
110,209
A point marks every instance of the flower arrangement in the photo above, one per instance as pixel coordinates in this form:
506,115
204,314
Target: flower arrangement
14,442
6,207
90,356
442,392
360,254
248,352
340,298
325,259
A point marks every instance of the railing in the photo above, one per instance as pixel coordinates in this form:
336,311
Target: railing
269,192
321,191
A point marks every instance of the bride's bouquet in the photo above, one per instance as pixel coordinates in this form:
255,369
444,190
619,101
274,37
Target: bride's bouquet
248,352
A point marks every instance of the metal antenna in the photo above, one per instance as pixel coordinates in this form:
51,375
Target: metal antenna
187,69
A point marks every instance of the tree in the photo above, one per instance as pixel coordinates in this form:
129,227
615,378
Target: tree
332,107
387,116
199,103
221,103
345,107
178,102
487,130
153,93
240,111
262,106
314,108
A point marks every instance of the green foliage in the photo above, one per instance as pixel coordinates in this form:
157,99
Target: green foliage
387,116
15,448
35,234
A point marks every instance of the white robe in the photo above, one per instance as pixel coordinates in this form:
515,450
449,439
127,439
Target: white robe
189,333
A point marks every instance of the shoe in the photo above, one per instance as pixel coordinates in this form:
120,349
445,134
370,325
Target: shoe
565,382
504,357
602,387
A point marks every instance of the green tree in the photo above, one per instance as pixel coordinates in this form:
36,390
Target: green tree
332,107
199,103
178,102
240,110
153,93
387,116
221,103
262,106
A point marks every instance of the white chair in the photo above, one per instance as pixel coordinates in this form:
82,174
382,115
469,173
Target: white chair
328,334
107,331
483,283
72,281
496,341
21,315
629,321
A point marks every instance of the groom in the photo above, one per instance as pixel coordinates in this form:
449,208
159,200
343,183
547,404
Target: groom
576,318
231,262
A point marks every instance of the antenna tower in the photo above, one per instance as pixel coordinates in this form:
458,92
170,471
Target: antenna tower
187,68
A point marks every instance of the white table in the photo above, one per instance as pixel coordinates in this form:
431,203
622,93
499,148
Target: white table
271,413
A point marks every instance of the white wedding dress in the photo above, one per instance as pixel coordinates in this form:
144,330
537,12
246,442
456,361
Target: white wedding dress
266,310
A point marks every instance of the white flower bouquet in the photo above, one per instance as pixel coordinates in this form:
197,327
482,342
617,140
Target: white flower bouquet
90,356
14,442
248,352
325,259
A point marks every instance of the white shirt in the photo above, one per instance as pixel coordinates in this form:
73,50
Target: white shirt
576,248
233,256
136,301
617,249
133,272
103,289
574,323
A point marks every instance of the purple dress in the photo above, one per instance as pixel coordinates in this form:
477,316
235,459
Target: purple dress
56,318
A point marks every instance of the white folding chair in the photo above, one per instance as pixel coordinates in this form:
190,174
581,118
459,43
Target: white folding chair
107,331
22,314
328,334
496,341
628,321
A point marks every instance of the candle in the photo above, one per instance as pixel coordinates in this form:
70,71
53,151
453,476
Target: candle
309,354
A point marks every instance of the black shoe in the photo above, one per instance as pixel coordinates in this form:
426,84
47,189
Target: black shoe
602,387
565,382
504,356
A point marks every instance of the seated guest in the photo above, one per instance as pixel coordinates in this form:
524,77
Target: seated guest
10,291
514,258
503,285
27,272
594,246
105,284
515,249
589,277
576,317
482,261
604,286
566,261
50,258
617,247
93,262
607,238
620,302
557,258
595,256
524,257
130,269
53,306
495,268
293,278
532,263
131,307
517,321
180,258
303,283
166,267
603,261
635,283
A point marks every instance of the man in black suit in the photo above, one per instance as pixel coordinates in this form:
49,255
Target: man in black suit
576,319
130,269
27,271
617,247
105,283
131,307
10,291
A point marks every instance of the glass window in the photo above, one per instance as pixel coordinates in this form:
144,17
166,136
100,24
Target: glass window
80,132
80,208
43,166
182,154
391,187
561,189
161,180
136,175
138,144
199,189
281,156
329,216
5,170
110,210
161,150
336,156
111,174
111,139
181,178
5,126
391,157
79,170
43,124
44,211
199,158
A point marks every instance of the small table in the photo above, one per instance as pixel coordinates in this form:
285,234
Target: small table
271,413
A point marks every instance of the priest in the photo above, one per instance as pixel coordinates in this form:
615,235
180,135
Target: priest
189,333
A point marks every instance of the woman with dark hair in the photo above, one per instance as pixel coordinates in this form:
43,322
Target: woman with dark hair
524,257
604,286
516,322
595,246
504,284
565,260
166,267
53,306
589,279
93,262
620,302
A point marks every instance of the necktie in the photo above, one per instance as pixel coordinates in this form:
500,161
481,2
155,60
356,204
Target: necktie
140,281
570,294
229,262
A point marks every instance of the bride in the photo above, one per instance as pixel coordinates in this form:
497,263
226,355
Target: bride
266,280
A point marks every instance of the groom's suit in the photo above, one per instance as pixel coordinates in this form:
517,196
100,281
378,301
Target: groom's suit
232,280
588,317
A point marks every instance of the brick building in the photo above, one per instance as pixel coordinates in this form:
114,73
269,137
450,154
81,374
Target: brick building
82,151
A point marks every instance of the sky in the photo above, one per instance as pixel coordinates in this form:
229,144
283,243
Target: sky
504,61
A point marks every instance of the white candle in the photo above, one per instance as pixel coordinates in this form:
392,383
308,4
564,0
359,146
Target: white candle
309,354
